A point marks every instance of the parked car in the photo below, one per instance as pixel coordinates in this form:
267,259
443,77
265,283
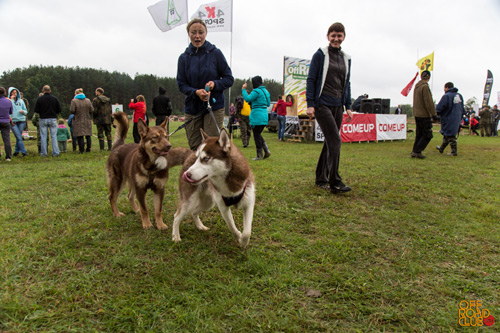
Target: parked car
272,124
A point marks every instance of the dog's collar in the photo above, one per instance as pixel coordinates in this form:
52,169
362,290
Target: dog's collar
230,201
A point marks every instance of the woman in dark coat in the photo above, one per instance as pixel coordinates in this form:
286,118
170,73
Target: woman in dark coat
82,108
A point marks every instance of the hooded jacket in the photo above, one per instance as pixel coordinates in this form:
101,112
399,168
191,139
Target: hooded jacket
161,104
82,108
102,110
318,70
196,67
423,105
19,110
260,99
450,108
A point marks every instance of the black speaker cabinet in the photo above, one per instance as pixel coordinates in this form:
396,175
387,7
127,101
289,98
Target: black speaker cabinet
366,106
386,105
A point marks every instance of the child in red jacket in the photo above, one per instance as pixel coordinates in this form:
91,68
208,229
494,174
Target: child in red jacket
139,108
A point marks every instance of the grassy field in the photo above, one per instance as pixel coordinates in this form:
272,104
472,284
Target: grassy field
399,253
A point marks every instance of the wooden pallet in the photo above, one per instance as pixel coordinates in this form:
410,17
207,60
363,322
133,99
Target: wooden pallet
306,127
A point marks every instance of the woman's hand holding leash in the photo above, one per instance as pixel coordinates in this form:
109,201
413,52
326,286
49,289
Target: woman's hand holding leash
349,115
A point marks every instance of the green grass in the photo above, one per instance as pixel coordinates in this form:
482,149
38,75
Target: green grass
398,253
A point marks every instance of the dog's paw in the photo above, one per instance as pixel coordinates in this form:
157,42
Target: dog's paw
146,225
176,238
243,241
202,227
161,226
119,214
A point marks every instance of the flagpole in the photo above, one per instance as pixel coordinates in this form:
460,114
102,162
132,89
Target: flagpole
231,50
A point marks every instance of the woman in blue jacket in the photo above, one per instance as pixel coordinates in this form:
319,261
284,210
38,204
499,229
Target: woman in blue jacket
202,66
259,99
328,92
19,113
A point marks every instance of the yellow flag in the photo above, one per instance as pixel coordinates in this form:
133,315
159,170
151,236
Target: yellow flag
426,63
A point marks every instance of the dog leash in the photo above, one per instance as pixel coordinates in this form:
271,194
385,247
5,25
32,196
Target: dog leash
209,109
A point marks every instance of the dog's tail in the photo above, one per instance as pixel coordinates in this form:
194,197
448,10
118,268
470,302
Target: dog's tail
121,129
177,156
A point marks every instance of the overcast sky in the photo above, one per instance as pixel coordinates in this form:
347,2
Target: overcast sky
385,38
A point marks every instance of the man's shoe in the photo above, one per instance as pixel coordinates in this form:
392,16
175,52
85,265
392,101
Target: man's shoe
324,186
417,155
439,149
340,188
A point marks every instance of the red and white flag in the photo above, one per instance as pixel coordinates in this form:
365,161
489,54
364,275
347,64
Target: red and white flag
218,16
407,89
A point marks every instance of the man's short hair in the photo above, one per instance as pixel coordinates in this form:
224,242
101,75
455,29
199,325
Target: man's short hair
100,90
337,27
2,91
46,88
449,85
425,75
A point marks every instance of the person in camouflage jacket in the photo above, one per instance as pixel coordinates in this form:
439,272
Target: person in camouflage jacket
102,117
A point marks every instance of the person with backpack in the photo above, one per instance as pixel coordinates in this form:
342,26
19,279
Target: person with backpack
260,99
102,117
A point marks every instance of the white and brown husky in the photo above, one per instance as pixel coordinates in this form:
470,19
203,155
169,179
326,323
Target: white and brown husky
217,173
142,166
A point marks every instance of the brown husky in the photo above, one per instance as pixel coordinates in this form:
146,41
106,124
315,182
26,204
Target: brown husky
142,166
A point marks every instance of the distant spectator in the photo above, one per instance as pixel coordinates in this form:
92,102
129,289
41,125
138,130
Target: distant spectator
102,117
260,99
356,106
495,119
139,107
70,125
232,118
450,109
62,136
19,114
243,115
281,111
398,110
485,120
162,107
48,107
424,112
82,108
5,113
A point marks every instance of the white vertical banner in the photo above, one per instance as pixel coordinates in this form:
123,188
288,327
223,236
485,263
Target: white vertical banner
169,14
218,16
498,98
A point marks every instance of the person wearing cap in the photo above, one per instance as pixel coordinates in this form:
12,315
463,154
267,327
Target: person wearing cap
424,112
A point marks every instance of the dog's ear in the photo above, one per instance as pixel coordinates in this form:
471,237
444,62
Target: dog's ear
142,128
164,124
224,141
204,134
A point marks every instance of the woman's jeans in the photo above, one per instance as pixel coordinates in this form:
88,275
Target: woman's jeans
18,129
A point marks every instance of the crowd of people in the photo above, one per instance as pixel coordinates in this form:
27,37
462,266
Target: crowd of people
202,76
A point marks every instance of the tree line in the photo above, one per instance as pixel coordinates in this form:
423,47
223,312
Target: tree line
119,87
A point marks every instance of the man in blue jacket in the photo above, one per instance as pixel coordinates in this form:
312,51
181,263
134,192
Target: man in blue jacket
450,109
